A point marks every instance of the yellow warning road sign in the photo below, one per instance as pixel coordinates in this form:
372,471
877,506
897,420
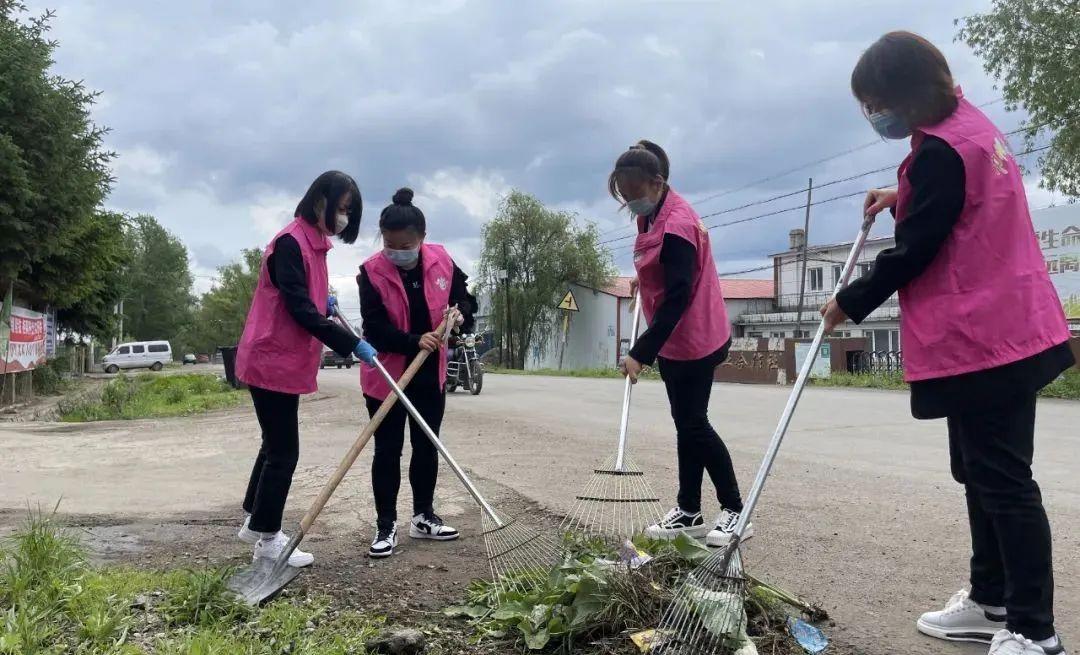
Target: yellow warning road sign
569,302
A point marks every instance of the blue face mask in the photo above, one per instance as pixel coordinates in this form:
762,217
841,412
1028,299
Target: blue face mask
402,258
889,125
641,207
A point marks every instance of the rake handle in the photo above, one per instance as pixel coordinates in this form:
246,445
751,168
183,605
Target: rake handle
796,392
435,441
361,441
624,419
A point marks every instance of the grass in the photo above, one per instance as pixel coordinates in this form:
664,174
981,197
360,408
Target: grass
647,374
1066,386
54,602
154,396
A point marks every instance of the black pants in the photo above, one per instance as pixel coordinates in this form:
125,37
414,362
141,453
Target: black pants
430,401
1011,564
700,449
272,474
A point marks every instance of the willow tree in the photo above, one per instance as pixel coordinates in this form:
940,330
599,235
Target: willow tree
530,255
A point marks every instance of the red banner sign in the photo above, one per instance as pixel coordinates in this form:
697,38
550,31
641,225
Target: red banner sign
26,348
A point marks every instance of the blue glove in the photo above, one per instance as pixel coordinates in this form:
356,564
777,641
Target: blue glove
365,352
331,306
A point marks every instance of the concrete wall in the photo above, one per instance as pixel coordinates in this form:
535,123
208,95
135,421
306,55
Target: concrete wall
591,340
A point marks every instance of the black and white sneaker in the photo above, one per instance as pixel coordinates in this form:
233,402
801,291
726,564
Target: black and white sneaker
429,526
384,543
722,534
677,522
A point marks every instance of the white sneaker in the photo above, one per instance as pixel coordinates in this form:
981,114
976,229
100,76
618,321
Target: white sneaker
384,542
246,534
677,522
272,547
720,536
429,526
1008,643
962,620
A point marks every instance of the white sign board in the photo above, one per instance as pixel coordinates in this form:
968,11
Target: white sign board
822,365
1058,231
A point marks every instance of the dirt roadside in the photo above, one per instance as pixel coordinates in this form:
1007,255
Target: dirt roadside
860,514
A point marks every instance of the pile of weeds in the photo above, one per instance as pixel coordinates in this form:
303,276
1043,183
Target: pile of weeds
53,601
154,396
594,598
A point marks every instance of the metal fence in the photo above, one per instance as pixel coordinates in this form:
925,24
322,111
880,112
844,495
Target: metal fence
879,362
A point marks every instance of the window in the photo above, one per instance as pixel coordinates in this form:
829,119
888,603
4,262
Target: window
158,348
894,340
816,279
837,271
138,350
123,350
754,335
776,335
802,334
843,334
864,269
881,341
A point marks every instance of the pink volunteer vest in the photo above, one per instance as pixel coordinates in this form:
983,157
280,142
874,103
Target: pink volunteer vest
986,300
704,328
275,353
386,278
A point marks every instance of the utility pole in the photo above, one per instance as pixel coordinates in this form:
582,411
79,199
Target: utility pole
805,258
506,291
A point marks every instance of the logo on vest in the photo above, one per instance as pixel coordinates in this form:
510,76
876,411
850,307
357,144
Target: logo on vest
442,283
1001,156
638,254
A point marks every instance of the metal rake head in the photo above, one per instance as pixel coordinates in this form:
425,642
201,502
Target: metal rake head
616,502
521,556
707,615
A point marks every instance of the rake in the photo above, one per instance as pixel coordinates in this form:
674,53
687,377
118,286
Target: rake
617,502
263,578
520,557
706,616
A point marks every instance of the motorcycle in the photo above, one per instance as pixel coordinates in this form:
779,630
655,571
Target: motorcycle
464,368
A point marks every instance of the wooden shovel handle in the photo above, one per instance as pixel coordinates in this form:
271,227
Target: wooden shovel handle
365,436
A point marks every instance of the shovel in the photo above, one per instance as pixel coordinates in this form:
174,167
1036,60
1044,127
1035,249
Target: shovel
265,578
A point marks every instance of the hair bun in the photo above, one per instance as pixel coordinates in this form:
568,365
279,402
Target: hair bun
403,196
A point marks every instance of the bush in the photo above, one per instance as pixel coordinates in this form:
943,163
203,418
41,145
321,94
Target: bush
49,379
148,396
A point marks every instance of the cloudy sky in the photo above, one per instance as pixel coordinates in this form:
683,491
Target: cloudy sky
223,112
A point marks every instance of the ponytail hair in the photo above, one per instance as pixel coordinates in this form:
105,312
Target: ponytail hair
401,214
643,161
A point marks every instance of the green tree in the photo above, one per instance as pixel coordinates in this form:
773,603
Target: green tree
219,319
1033,48
56,245
157,282
542,251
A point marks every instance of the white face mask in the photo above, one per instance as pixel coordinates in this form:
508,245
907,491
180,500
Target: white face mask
341,221
402,258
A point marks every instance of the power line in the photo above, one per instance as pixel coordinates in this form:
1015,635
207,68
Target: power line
799,191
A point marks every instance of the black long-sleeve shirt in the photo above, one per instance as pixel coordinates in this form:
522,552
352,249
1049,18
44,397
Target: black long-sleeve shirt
286,269
384,336
937,182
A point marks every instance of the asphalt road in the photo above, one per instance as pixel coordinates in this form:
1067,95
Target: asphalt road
860,513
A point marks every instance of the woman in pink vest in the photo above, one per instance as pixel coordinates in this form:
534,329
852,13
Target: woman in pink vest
981,327
688,335
282,344
405,292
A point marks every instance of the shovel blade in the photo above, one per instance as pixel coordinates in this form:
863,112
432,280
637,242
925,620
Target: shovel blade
262,580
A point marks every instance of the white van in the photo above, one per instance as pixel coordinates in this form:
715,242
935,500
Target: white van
138,354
